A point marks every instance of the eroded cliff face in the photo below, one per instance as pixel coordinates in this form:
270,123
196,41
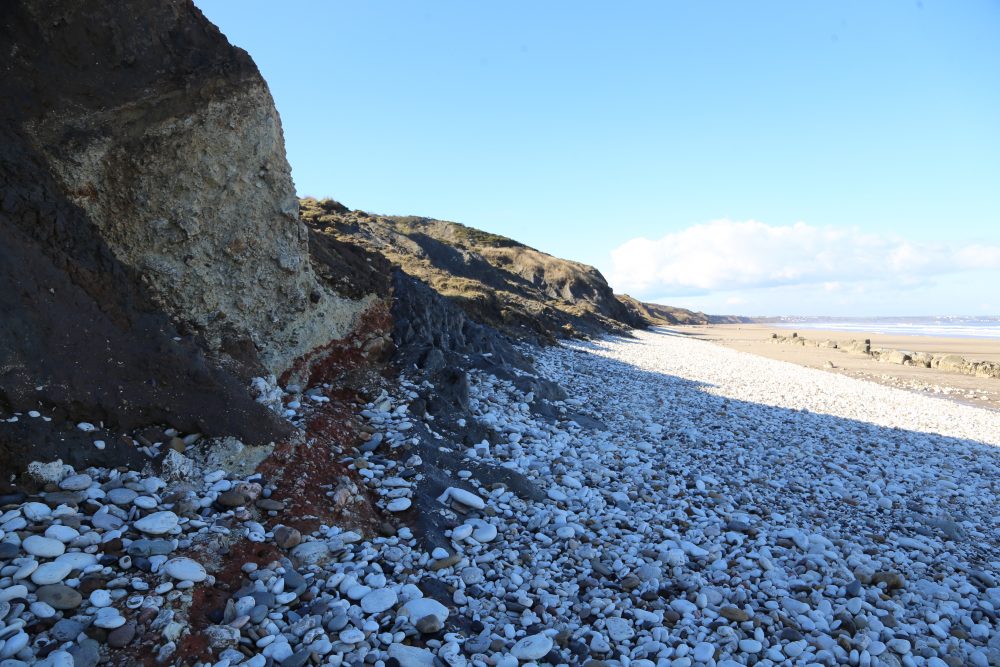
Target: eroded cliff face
153,258
186,180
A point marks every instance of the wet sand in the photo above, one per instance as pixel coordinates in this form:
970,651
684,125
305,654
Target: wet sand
756,339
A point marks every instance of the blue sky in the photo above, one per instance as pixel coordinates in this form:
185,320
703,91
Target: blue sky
750,134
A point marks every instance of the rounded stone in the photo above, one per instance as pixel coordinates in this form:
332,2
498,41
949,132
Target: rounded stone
43,547
311,553
76,483
411,656
62,533
358,591
899,645
557,495
15,592
422,608
352,636
145,548
25,571
157,523
532,647
59,596
35,511
14,644
462,532
77,560
466,498
66,630
122,636
619,629
121,496
100,598
42,610
108,618
287,537
428,625
734,614
473,575
399,504
378,601
86,653
51,573
482,531
185,569
232,498
145,502
106,521
703,652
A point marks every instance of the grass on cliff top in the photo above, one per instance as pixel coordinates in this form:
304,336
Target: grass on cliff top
329,211
522,284
470,237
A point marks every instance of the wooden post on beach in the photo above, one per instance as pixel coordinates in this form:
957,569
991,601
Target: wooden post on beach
868,345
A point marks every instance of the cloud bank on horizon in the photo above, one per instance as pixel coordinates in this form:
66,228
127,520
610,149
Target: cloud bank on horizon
744,257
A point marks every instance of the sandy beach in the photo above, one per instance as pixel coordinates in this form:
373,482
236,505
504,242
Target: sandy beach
756,339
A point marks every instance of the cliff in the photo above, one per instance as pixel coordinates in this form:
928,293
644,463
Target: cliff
658,314
161,281
153,260
526,293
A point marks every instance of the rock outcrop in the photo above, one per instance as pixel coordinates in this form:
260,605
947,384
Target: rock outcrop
953,363
153,260
438,341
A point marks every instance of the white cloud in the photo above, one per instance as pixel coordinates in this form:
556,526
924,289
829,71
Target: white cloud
729,255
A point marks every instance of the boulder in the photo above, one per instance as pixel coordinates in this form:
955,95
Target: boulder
951,362
986,369
894,356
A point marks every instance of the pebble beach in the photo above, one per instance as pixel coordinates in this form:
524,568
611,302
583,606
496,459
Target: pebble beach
686,505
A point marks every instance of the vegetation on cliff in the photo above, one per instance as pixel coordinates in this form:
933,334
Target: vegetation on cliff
496,280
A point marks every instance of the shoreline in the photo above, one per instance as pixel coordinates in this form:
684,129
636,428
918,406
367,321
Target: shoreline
967,389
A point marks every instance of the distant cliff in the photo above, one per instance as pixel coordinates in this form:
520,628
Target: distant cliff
657,314
496,280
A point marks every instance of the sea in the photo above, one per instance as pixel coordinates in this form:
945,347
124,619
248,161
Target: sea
954,327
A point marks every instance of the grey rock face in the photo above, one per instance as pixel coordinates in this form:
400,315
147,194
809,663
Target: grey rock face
192,190
197,197
152,241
